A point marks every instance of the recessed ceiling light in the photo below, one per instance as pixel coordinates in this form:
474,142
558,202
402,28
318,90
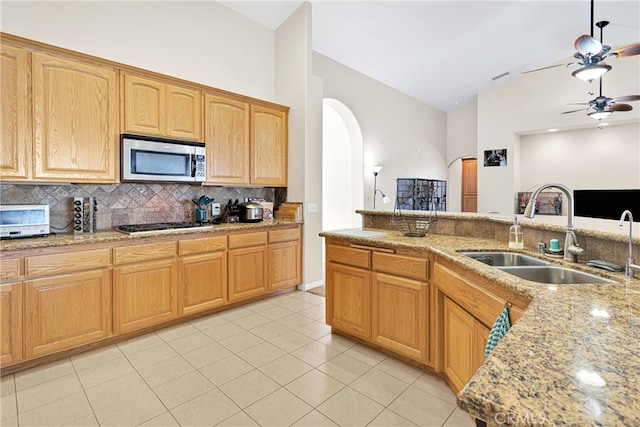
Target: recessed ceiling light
553,130
458,102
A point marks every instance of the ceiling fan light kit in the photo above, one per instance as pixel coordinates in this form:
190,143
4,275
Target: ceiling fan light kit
591,72
599,115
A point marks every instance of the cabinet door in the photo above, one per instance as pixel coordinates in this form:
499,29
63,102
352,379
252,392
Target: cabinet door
184,113
15,130
399,315
226,136
144,295
285,264
269,138
203,282
482,337
75,121
460,343
10,323
349,300
247,272
144,105
66,311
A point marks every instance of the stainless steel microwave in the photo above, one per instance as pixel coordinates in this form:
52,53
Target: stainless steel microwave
146,158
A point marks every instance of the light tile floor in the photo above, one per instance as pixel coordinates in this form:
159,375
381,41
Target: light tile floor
269,363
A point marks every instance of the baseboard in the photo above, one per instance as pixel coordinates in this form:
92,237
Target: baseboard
307,286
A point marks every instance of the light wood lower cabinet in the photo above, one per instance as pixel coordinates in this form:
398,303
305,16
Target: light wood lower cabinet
284,258
10,323
144,295
464,341
247,272
65,311
349,299
400,315
465,304
203,282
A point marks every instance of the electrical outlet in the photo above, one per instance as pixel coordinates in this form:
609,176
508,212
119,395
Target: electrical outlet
313,207
215,209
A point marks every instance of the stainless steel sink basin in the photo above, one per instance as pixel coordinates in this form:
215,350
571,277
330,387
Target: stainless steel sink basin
553,274
499,259
534,269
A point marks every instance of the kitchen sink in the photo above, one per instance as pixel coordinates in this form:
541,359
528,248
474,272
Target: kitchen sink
500,259
553,274
534,269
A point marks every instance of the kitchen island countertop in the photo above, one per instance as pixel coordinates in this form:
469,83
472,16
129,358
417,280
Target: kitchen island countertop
573,358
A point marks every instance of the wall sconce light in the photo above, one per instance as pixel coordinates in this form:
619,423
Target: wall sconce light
385,199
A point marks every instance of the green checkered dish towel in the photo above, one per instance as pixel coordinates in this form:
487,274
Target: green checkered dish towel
499,328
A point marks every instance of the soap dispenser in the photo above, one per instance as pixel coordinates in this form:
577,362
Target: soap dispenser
516,239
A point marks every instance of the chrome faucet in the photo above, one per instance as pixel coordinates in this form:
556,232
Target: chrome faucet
571,247
629,266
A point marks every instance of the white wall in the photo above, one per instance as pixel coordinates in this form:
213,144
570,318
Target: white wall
199,41
534,103
462,142
606,158
404,136
296,87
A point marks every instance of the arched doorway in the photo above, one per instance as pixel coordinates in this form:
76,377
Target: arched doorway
342,165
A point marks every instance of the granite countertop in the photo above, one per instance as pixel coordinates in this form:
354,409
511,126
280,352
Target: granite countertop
104,236
573,358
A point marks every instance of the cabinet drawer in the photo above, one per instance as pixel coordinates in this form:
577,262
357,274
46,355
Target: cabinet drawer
285,235
9,268
249,239
205,245
481,304
137,253
41,265
401,265
350,256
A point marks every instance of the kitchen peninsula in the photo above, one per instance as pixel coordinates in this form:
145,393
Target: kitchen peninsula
570,358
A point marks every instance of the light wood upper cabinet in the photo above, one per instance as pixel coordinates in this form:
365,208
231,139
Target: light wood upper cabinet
15,125
65,311
226,136
269,146
10,323
75,120
156,108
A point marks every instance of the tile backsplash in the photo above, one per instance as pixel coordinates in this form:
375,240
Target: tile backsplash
129,203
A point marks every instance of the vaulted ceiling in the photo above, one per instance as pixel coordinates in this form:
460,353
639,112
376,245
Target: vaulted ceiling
444,53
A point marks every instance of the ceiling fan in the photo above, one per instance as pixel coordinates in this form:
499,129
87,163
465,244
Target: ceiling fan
601,106
591,54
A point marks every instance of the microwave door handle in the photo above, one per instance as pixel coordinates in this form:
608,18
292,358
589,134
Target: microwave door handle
193,165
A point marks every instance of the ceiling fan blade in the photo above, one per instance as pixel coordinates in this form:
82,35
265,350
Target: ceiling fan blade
579,103
587,45
544,68
574,111
619,107
631,50
627,98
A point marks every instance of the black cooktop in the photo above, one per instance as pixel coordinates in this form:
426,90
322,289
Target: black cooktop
161,226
